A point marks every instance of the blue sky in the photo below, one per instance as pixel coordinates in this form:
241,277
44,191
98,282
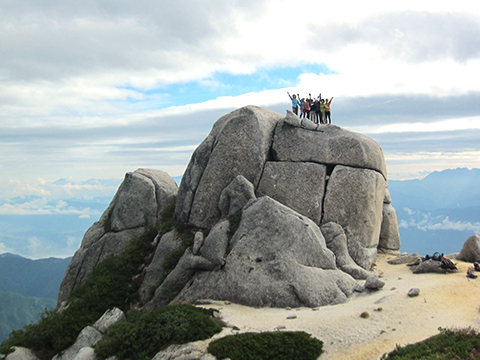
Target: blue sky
96,89
222,84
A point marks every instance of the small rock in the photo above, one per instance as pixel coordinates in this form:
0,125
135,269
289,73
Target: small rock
315,309
393,288
364,315
280,327
292,317
378,309
288,308
227,302
373,283
413,292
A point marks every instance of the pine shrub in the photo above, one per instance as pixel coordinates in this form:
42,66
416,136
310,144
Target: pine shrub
145,334
267,346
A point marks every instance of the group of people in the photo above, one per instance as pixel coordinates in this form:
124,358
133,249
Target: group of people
317,110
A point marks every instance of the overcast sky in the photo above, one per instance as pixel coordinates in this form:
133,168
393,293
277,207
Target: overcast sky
97,88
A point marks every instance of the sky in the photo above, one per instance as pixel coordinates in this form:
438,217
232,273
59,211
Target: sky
94,89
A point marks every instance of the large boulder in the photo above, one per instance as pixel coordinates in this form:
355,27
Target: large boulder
238,145
354,199
298,185
278,258
328,144
21,353
389,235
255,193
168,244
83,346
336,241
471,249
135,208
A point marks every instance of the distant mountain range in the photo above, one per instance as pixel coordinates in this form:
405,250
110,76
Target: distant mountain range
32,278
448,189
439,212
27,288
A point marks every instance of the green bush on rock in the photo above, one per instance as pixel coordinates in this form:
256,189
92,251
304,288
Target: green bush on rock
267,346
145,334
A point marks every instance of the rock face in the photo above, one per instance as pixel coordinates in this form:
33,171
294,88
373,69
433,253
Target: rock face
136,207
239,144
285,213
278,258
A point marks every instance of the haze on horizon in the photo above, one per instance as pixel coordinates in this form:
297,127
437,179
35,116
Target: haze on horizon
92,90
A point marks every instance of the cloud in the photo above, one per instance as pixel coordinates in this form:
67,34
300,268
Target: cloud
411,36
426,222
4,248
37,191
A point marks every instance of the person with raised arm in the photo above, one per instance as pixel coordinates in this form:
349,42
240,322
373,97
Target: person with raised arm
295,103
327,110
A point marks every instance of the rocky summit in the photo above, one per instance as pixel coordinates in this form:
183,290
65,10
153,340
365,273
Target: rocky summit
283,212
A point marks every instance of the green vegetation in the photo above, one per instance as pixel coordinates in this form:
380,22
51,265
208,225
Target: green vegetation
457,344
267,346
171,262
169,223
113,283
145,334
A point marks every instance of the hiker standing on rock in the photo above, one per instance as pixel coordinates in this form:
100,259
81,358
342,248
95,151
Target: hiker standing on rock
295,103
327,111
322,111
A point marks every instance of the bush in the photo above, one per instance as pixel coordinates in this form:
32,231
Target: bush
145,334
267,346
113,283
450,344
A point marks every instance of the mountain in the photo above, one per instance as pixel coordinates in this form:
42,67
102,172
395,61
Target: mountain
447,189
16,311
32,278
439,212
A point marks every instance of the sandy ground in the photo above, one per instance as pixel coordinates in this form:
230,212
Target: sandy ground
445,300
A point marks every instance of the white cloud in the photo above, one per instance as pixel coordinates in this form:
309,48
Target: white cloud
4,248
425,222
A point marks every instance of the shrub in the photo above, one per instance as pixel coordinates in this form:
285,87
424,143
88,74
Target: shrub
145,334
267,346
112,283
449,344
184,231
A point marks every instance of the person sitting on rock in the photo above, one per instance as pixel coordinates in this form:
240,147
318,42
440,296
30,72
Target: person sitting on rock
295,103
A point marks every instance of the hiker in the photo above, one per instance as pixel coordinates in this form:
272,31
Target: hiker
307,108
315,110
318,110
295,103
470,273
327,111
322,111
302,107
